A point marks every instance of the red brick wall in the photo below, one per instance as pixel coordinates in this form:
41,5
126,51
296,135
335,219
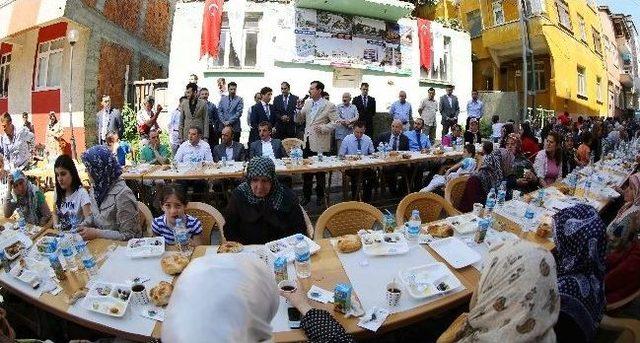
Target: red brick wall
123,12
90,3
150,70
156,24
112,66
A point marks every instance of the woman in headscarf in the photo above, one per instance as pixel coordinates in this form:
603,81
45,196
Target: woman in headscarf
114,208
623,258
238,292
496,167
261,210
472,135
522,178
516,299
548,163
568,155
579,235
28,199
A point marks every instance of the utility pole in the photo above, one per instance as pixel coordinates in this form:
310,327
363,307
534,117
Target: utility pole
526,51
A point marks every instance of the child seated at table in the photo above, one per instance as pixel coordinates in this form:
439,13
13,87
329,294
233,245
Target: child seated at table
466,166
174,201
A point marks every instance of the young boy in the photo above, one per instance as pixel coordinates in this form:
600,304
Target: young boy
496,128
466,166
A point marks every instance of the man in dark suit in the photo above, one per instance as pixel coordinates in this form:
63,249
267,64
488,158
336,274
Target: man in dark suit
366,106
267,146
284,106
449,109
108,120
397,142
229,148
263,111
212,113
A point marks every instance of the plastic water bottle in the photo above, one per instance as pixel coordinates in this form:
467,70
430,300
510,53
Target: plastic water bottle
224,161
502,193
181,235
54,260
359,152
413,226
303,257
490,203
67,250
381,147
587,187
528,219
573,182
540,199
87,259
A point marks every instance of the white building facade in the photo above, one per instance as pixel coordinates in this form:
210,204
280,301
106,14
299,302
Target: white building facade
276,46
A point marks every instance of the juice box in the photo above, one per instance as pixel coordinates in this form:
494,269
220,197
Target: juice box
342,298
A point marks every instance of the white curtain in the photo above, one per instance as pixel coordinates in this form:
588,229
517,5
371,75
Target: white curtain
235,12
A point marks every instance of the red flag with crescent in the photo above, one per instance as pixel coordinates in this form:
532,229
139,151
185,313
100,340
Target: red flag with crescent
425,39
211,23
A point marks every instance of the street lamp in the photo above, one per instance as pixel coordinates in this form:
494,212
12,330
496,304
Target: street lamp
72,37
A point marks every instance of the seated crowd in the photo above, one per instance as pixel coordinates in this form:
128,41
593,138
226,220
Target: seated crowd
525,293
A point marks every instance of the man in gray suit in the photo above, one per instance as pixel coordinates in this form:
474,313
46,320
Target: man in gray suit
108,119
266,146
449,109
193,114
230,110
230,149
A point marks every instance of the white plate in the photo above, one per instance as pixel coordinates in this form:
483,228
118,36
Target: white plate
421,282
383,244
455,252
103,296
145,247
464,224
285,247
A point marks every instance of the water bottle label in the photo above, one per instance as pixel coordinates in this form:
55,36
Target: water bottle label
414,229
529,214
303,257
67,252
89,263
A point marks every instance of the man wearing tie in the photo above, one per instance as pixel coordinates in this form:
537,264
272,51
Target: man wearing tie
230,111
284,108
358,143
449,109
262,111
366,106
418,141
397,142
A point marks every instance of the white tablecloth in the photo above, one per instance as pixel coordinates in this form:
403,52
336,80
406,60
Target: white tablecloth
119,268
369,281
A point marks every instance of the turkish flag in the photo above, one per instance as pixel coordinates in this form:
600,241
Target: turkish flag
425,39
211,23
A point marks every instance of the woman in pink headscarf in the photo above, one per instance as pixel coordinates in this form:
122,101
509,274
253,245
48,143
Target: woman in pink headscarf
623,248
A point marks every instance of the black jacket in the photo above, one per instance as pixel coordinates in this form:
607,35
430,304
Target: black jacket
386,137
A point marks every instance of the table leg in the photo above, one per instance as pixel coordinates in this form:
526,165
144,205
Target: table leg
327,190
344,185
359,185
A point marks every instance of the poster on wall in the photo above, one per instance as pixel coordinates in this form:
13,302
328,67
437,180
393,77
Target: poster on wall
329,38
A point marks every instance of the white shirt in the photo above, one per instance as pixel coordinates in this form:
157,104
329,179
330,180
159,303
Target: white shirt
229,153
266,109
174,127
17,151
74,203
105,123
189,153
267,149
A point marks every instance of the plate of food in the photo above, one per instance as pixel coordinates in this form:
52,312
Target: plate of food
439,230
108,298
145,247
284,247
14,250
378,243
455,252
429,280
464,224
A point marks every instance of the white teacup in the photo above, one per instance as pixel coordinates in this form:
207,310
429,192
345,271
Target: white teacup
393,294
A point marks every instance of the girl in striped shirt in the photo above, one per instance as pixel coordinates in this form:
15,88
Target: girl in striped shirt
174,202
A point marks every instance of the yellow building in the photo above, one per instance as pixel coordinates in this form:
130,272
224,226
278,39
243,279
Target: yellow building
570,72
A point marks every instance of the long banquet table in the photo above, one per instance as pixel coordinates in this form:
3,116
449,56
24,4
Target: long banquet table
327,270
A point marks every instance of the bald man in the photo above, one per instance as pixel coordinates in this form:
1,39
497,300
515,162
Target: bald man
397,142
401,110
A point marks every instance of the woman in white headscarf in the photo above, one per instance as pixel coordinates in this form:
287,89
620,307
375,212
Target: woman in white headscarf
517,299
233,298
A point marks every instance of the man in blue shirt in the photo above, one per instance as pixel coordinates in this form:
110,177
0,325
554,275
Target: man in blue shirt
352,144
475,108
418,141
401,110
